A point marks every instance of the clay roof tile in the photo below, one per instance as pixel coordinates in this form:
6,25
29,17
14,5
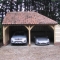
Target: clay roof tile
27,18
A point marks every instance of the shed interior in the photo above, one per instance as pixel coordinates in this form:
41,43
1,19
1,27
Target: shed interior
42,31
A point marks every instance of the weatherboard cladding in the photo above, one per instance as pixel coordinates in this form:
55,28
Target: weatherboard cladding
26,18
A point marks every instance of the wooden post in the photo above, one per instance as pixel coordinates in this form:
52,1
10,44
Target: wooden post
4,42
5,35
52,27
29,32
29,37
54,35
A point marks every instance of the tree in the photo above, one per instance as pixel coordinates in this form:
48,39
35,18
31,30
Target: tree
49,8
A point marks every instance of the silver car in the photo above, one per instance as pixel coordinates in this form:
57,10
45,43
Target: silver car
42,41
19,38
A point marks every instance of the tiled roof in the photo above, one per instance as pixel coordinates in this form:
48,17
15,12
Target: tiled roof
27,18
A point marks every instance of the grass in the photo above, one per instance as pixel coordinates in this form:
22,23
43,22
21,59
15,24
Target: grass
0,31
58,22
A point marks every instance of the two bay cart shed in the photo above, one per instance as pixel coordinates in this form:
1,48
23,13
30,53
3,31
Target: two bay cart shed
29,20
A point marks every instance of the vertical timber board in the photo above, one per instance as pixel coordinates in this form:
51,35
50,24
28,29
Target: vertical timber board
57,33
7,35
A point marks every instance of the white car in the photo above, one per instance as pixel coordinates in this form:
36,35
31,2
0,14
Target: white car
19,38
42,41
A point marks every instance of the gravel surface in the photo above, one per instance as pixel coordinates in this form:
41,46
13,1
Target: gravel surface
30,52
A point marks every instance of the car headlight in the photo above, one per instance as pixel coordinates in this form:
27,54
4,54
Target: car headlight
12,38
37,40
25,41
48,40
24,38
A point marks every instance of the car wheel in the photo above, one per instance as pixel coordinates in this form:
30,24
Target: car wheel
11,43
35,43
25,43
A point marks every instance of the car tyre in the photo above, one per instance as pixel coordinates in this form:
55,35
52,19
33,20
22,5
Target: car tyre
11,43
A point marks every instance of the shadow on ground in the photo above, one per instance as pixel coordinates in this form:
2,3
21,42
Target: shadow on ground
1,43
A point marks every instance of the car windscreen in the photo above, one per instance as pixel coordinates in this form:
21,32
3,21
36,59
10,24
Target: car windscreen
19,33
42,39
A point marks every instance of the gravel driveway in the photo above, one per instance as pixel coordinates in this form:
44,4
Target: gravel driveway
30,53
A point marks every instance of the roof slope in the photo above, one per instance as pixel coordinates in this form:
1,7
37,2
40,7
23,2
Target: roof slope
27,18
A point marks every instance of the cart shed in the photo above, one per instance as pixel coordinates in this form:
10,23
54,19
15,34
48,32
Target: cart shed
29,20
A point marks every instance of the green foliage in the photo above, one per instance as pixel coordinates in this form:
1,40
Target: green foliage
49,8
53,0
0,30
0,1
19,1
